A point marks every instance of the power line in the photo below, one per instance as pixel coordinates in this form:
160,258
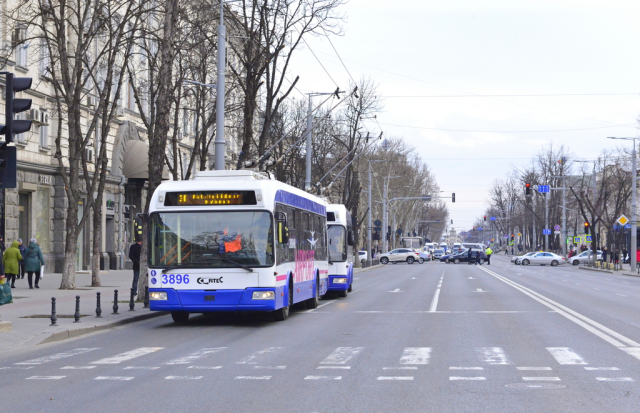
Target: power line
512,95
337,54
510,131
314,55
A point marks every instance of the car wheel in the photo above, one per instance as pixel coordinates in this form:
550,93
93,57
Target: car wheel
384,260
421,260
410,260
456,261
517,262
576,262
525,262
554,263
447,260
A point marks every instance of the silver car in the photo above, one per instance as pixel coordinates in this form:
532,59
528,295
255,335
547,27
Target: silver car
584,257
400,255
437,254
544,258
517,259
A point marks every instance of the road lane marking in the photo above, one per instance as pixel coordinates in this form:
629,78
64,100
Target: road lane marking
183,377
397,290
202,353
400,368
466,378
16,368
590,325
253,378
129,355
614,379
599,289
534,368
205,367
466,368
123,378
45,377
479,290
492,355
323,378
602,368
270,367
566,356
139,368
57,356
395,378
251,359
342,355
333,368
621,295
416,355
77,367
541,378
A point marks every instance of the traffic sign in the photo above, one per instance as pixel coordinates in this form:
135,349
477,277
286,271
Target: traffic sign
576,240
519,234
622,220
492,218
589,238
543,189
546,232
479,229
377,223
556,232
557,227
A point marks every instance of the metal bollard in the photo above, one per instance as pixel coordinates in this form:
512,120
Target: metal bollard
146,297
76,315
115,302
54,317
98,308
132,304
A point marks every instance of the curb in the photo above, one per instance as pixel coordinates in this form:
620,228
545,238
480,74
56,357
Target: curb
63,335
595,269
373,267
630,275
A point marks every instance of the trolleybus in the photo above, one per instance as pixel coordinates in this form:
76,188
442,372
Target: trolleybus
340,246
235,241
414,243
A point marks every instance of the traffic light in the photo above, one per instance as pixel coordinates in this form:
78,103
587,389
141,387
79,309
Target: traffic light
453,197
513,236
13,105
586,226
485,218
527,188
7,166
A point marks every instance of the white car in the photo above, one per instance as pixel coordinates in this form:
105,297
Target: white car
517,260
425,255
362,256
544,258
583,257
400,255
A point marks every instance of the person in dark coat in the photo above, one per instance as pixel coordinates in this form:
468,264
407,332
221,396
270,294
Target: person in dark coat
33,262
470,257
134,256
23,252
604,255
3,248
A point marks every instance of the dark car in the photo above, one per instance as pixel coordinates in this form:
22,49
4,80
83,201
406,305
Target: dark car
464,256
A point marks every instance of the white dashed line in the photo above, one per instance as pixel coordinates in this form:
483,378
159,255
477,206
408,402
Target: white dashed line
535,368
139,368
614,379
270,367
183,377
333,367
466,378
621,295
113,378
400,368
395,378
77,367
602,368
466,368
323,378
541,378
205,367
253,378
45,377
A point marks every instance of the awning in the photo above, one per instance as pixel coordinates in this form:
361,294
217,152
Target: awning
135,163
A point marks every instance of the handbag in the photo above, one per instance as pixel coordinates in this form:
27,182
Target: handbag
42,272
5,294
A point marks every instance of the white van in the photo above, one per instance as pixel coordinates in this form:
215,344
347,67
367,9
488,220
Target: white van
444,246
429,246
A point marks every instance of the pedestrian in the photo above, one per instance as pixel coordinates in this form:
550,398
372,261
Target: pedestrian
469,256
489,252
477,257
604,255
519,247
23,252
34,261
134,256
638,257
624,255
11,260
2,247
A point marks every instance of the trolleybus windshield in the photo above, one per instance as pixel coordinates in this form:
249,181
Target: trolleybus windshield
221,239
337,243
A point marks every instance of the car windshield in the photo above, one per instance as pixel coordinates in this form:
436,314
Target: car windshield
438,251
221,239
361,253
337,243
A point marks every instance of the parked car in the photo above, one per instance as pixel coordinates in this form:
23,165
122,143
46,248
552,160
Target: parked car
517,259
583,257
437,254
362,256
400,255
544,258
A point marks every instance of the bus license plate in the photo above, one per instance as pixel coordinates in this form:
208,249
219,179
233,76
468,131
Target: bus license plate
209,297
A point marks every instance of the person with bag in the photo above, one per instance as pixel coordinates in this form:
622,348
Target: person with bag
23,252
34,261
11,260
5,290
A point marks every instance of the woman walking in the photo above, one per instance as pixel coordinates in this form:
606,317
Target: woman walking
34,261
11,260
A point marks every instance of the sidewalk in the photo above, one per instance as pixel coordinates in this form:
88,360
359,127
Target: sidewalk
36,304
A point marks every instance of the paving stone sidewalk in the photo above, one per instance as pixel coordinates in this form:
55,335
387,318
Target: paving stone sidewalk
19,325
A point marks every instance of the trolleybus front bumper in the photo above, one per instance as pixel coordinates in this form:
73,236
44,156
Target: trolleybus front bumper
198,301
338,283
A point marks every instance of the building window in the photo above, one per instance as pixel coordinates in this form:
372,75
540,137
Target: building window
45,60
42,219
19,36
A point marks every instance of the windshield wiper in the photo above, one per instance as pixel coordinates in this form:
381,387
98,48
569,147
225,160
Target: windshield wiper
171,268
237,263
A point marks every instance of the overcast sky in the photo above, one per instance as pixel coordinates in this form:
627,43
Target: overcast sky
491,47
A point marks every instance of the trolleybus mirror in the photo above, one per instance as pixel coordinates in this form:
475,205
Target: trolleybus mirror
350,238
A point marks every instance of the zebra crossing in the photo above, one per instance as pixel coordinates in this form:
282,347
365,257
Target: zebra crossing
335,366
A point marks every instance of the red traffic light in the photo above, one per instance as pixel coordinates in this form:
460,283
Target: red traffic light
527,189
586,225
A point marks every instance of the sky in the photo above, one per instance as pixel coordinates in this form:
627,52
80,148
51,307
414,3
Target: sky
435,62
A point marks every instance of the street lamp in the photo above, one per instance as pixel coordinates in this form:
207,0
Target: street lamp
594,250
634,222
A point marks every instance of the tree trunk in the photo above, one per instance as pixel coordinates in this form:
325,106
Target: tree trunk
96,242
70,248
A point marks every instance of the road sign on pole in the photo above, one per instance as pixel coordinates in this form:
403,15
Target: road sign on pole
543,189
576,240
589,238
546,232
492,218
622,220
557,228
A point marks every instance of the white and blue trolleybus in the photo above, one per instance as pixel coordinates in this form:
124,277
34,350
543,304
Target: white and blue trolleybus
340,249
235,241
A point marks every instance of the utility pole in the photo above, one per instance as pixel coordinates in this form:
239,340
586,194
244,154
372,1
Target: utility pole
564,217
546,220
307,180
220,144
384,216
369,251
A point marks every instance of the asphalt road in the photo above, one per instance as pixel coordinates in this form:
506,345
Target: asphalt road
410,338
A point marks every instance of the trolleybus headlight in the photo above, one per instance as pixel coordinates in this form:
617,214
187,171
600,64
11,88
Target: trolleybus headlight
264,295
158,295
339,280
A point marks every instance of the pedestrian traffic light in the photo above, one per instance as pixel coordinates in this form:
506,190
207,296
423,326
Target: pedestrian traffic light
527,188
7,166
453,197
13,105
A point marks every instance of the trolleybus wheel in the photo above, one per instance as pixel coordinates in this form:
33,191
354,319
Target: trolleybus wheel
312,302
180,317
282,314
350,287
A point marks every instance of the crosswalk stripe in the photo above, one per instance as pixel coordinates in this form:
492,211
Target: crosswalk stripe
400,368
452,378
78,367
269,367
566,356
466,368
205,367
202,353
492,355
183,377
333,367
253,378
45,377
602,368
123,378
129,355
541,378
342,355
138,368
323,378
534,368
252,358
614,379
57,356
395,378
416,355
